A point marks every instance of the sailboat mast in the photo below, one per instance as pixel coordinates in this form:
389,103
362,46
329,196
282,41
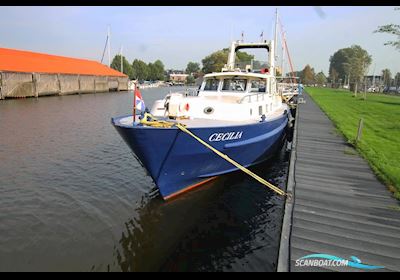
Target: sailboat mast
108,47
282,61
276,36
122,64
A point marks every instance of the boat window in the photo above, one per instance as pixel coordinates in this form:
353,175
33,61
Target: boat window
258,86
234,84
211,84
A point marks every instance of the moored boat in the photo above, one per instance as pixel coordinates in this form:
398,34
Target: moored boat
238,112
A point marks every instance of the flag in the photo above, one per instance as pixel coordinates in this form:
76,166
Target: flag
139,100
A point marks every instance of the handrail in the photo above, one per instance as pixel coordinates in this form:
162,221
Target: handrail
263,94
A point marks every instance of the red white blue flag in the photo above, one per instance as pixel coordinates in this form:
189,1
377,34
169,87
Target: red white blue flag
139,100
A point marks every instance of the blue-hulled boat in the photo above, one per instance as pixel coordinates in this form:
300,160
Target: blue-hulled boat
238,112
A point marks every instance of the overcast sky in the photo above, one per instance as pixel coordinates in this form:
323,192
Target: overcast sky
177,35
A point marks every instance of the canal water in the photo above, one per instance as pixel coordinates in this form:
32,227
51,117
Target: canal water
73,198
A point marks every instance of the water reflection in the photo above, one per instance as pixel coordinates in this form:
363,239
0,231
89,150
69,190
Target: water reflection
230,224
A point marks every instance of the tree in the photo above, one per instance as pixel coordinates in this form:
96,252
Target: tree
159,70
387,77
139,70
350,62
333,75
359,64
127,68
152,73
216,61
339,66
190,80
393,29
192,67
320,78
308,75
242,56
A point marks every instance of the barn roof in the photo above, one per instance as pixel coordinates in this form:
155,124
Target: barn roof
25,61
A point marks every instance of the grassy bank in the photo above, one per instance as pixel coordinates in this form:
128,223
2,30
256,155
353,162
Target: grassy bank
380,142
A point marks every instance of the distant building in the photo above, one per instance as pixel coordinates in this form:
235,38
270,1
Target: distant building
378,80
178,78
30,74
173,71
373,83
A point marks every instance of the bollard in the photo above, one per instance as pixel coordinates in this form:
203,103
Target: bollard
359,131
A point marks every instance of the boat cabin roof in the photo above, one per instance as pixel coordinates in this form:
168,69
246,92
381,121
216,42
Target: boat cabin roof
237,74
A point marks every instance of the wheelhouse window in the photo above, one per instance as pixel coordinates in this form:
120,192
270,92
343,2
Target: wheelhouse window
211,84
258,86
234,84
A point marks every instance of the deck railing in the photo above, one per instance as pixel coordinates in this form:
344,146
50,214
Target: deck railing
253,97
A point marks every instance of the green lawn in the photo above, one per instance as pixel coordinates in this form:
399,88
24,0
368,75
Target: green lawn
380,142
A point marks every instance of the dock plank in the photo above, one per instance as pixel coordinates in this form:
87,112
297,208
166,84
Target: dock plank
338,207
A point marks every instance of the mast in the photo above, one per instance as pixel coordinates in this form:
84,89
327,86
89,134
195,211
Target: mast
282,61
105,48
231,57
109,44
275,37
284,44
122,64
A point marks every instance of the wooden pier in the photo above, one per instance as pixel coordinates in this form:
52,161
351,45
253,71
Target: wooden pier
338,207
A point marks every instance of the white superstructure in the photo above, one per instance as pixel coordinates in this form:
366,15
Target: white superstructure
229,95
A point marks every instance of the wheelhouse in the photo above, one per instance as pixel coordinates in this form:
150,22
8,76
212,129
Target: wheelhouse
234,84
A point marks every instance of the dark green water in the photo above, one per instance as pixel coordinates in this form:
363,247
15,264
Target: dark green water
73,198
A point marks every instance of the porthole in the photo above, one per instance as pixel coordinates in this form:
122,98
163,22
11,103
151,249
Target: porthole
208,110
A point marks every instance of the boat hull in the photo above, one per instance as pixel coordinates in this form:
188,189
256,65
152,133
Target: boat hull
177,162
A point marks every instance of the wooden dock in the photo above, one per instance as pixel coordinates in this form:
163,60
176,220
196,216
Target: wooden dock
338,207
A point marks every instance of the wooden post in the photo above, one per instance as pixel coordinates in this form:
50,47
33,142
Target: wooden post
359,131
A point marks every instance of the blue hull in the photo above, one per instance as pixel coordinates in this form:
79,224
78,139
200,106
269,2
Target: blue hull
177,162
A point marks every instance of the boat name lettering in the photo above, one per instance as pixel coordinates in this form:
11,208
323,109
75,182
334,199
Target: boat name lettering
216,137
